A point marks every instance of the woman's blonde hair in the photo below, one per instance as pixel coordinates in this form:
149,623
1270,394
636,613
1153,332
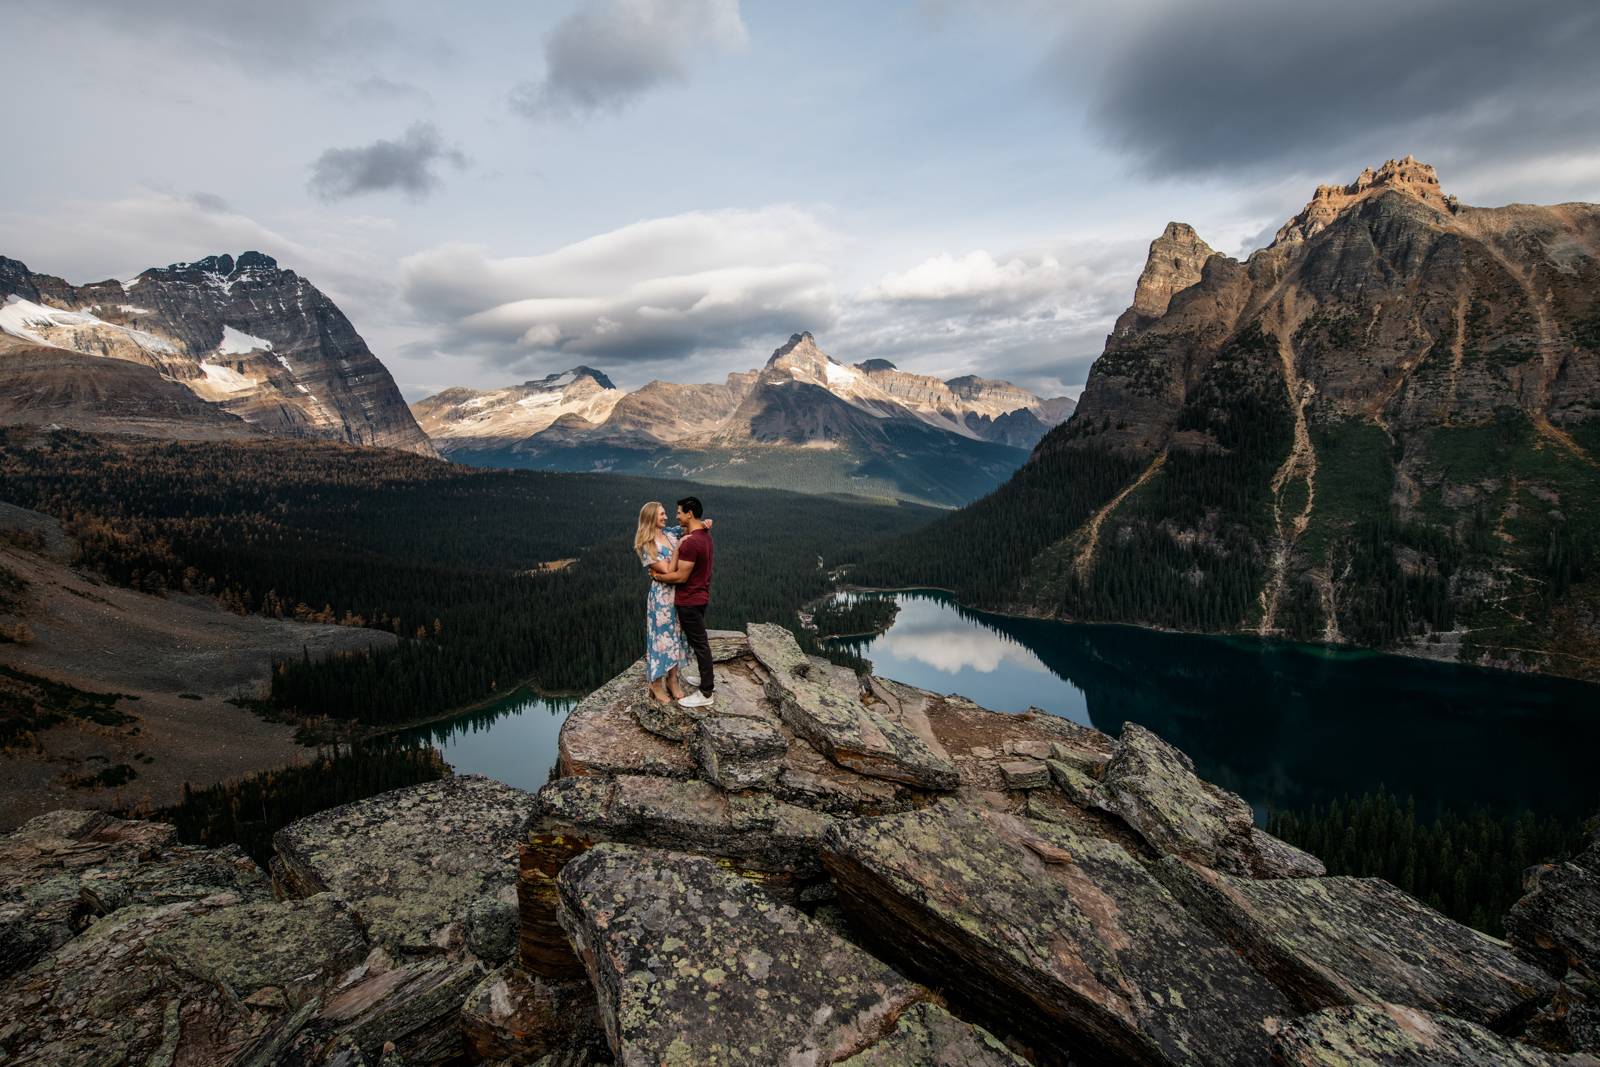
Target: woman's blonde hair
646,533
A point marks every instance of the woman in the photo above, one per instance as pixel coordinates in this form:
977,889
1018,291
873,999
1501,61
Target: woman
656,546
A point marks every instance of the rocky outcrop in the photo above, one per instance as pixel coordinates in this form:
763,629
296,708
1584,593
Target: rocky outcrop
692,964
1083,898
1055,932
252,345
412,861
1332,941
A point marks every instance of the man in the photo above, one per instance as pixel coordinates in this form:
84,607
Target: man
692,576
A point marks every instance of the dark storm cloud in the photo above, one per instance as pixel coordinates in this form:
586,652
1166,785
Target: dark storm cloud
1203,87
609,52
407,165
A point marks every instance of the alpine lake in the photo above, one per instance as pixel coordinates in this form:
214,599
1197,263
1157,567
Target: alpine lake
1285,725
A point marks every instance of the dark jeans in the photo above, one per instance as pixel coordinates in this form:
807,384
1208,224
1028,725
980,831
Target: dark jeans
693,620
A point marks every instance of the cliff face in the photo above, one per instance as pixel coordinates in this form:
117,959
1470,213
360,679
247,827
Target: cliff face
1384,428
245,336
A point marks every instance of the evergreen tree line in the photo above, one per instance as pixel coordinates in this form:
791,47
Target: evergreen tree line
1466,864
853,616
445,557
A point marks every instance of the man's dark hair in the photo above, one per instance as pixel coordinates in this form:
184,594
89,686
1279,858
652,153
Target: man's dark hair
692,505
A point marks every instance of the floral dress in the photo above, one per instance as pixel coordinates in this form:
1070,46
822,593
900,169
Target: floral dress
664,645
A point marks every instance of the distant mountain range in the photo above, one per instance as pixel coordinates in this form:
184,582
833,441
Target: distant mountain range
215,348
803,421
1382,429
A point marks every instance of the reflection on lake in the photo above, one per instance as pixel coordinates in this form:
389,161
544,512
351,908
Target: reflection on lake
1285,725
514,740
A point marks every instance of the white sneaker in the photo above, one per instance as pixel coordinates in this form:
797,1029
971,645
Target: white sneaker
690,680
697,700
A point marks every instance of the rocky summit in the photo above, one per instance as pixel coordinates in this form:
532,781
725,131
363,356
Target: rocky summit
822,868
220,347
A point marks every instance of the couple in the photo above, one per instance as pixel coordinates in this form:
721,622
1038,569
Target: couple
678,558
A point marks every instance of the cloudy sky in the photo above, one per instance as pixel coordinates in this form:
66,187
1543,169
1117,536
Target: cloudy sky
669,188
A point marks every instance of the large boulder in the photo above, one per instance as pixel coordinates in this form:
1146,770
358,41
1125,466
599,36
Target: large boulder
1056,935
694,965
1557,921
410,861
735,752
838,723
1390,1035
1153,788
1331,941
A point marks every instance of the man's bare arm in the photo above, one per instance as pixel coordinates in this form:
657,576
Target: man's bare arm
678,575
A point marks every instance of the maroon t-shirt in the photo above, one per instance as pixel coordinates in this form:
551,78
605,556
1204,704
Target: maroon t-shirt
696,546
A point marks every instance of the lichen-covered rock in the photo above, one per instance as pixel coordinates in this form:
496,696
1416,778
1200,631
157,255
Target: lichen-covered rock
1056,935
1152,786
191,982
1071,780
1276,858
694,965
1389,1035
926,1035
1330,941
514,1015
492,926
1025,774
668,719
841,727
1557,920
414,1004
736,752
62,868
410,861
1570,1022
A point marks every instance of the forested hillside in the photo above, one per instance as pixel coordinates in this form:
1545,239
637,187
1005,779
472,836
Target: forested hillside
447,557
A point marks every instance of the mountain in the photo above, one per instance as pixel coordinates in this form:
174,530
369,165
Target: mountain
253,343
1383,429
803,421
502,417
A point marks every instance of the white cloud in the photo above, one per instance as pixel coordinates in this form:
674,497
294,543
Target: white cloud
609,52
975,275
648,294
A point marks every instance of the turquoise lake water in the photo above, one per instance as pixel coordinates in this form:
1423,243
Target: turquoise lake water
1285,725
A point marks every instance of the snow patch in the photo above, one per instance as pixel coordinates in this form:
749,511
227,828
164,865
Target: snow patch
18,315
238,343
840,375
539,400
129,309
226,379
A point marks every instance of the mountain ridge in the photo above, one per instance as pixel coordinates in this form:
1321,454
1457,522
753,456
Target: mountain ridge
244,336
801,415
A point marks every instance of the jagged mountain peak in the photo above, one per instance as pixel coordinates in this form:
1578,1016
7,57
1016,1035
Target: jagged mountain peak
875,365
562,379
1408,176
1175,262
801,343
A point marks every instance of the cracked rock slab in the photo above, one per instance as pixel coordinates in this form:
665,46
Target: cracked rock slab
735,752
1389,1035
926,1035
1153,788
515,1015
410,861
838,724
693,965
1331,941
1053,934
